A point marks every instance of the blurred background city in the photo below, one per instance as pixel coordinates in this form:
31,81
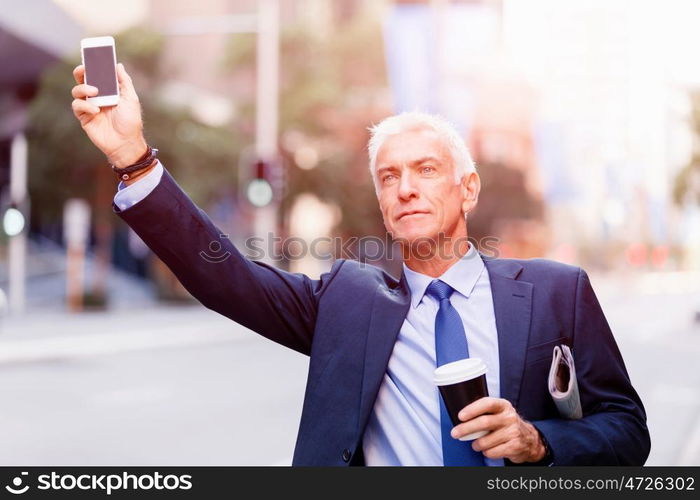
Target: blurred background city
583,119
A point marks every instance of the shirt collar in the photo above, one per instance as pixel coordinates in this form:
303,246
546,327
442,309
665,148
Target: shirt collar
461,276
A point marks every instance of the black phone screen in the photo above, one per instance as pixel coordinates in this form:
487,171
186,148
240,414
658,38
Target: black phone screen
100,70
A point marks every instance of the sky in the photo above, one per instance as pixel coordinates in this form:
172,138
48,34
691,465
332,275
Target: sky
105,17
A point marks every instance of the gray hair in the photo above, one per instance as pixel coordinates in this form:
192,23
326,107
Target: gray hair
415,120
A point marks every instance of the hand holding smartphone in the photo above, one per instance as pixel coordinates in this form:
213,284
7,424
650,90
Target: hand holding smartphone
106,104
100,62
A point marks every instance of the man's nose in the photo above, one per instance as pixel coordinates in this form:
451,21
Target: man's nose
407,188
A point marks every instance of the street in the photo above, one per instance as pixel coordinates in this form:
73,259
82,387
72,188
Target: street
165,385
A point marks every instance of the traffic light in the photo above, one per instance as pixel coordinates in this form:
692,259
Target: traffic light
14,218
13,221
266,184
259,190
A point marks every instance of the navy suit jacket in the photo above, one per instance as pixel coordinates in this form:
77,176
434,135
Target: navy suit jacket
349,318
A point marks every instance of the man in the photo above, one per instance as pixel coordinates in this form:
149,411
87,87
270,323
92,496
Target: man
374,341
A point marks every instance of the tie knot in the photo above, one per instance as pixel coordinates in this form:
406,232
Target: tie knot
439,290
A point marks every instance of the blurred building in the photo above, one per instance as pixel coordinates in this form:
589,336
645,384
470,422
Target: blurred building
587,101
447,58
210,53
23,30
611,131
199,35
33,35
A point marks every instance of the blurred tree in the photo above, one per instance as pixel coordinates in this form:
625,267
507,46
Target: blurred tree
687,184
331,89
65,164
504,197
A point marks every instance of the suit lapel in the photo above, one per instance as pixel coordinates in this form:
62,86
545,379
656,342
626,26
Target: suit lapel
512,304
389,309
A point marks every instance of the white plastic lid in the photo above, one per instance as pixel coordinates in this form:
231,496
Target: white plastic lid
459,371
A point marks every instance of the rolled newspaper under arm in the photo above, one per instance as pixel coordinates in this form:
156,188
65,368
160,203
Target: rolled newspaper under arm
562,383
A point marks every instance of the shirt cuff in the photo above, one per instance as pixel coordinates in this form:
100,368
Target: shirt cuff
128,196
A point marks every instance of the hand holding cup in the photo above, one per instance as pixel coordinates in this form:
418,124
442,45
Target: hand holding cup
492,423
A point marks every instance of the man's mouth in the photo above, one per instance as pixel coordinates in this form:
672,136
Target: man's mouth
411,213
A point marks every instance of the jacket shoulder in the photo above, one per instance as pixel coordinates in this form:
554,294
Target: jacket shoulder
552,267
363,273
533,269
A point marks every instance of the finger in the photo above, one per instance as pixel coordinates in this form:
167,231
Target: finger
82,91
481,423
500,451
126,85
79,74
492,439
481,406
82,108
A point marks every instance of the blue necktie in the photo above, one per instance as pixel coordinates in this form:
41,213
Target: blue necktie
450,345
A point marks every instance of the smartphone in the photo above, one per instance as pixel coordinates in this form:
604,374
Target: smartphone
100,62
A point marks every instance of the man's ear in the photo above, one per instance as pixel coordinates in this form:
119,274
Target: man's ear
470,185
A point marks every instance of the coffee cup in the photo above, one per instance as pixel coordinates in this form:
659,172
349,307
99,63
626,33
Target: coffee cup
461,383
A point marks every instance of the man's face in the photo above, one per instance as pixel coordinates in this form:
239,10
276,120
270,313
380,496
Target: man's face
416,187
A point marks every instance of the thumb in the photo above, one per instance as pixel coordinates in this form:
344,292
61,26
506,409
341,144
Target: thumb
126,86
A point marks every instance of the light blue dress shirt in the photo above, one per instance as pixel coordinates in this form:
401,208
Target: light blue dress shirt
404,427
130,195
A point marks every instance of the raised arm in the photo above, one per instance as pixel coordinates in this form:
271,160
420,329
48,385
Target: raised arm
280,305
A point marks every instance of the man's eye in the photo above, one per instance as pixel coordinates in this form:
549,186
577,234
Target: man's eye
427,169
387,178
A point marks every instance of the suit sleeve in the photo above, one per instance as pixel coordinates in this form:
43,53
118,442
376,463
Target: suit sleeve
130,195
279,305
613,429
